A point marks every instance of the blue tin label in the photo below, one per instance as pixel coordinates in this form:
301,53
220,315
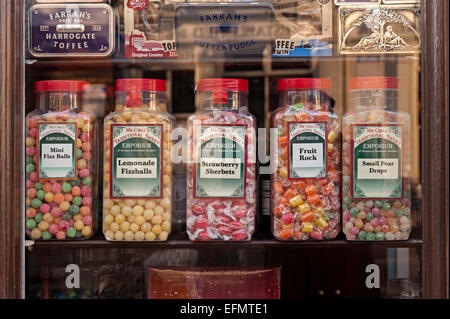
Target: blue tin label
71,29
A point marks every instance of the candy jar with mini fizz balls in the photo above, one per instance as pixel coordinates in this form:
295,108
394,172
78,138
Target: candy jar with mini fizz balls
305,187
137,189
221,173
61,164
375,163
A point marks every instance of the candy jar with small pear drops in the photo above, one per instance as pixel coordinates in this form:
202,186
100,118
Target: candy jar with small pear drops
137,188
61,164
305,187
376,163
221,173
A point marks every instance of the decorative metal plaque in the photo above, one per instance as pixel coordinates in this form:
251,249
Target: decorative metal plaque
379,30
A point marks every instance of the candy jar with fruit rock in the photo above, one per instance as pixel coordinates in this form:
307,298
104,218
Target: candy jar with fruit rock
305,187
137,188
375,163
221,173
60,164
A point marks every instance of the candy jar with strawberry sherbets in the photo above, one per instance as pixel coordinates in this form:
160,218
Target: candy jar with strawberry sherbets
221,173
376,162
305,188
60,164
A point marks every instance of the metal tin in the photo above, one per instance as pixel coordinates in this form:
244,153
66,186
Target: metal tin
57,30
224,29
379,30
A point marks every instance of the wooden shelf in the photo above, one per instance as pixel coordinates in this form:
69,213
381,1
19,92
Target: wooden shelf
180,240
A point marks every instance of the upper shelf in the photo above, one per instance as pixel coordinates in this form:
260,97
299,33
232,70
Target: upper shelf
180,240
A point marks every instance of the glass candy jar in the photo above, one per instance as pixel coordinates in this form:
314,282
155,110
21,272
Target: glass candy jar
375,156
305,188
137,188
61,164
221,173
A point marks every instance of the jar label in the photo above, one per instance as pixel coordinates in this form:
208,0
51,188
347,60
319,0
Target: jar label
57,151
220,161
307,150
136,153
377,161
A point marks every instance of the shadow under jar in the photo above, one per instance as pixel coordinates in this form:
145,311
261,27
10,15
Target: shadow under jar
375,155
137,189
221,173
305,187
61,164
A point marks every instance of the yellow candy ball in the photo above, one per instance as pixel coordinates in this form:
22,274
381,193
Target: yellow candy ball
115,210
156,229
163,235
126,210
43,226
118,235
86,231
114,227
148,214
138,210
129,235
64,206
78,225
139,236
150,236
125,226
146,227
156,220
36,233
108,219
150,204
109,235
166,226
120,219
134,227
48,217
140,220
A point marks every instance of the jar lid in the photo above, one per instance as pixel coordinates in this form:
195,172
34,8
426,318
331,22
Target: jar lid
304,83
140,85
373,82
218,84
59,86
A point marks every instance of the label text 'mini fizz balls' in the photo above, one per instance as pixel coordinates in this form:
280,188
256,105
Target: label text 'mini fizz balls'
137,189
376,163
61,164
305,187
221,173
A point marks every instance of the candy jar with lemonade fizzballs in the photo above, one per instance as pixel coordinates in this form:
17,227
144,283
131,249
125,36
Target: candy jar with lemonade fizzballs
61,163
376,166
221,173
305,187
137,189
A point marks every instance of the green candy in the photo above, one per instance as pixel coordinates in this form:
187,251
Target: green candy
380,236
77,200
362,235
29,160
36,203
31,223
378,203
399,213
370,236
75,182
386,206
40,194
38,186
347,201
66,187
39,217
66,216
354,211
79,153
46,235
369,216
78,234
30,168
74,210
71,232
87,180
298,106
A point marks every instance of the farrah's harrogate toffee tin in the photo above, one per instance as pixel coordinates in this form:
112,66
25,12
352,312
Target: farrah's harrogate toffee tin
57,30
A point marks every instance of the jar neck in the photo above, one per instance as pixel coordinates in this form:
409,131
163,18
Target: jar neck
144,100
308,99
58,101
374,99
222,100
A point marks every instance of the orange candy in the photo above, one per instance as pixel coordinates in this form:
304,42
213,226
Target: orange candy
307,217
311,190
277,211
76,191
278,187
286,233
314,200
289,193
47,187
58,198
68,197
85,211
282,141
